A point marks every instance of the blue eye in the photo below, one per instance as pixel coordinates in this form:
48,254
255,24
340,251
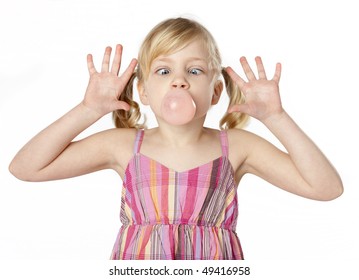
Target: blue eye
163,71
195,71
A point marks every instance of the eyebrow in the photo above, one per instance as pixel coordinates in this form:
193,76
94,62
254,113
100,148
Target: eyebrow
167,59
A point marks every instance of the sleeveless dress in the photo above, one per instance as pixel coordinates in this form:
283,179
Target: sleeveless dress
170,215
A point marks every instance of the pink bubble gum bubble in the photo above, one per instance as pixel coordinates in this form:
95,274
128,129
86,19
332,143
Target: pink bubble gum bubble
178,107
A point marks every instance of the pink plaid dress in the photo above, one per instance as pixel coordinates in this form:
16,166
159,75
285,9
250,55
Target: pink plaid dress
178,215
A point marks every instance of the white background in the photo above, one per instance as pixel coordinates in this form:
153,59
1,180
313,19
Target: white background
43,74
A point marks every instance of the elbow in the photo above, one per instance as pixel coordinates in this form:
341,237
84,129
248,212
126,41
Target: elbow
331,196
14,170
20,173
337,189
337,193
332,192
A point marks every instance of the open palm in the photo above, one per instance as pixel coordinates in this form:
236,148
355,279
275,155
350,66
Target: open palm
105,87
262,98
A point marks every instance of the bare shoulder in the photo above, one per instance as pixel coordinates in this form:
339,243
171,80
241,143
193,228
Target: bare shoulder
118,142
242,144
241,138
119,135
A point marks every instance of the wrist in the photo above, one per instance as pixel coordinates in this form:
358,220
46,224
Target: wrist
89,111
275,118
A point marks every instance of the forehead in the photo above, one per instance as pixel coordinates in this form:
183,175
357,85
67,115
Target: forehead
194,51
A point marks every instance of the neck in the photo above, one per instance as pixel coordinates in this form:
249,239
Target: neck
181,135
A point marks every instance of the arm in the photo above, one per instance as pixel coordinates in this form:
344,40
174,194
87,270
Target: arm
51,154
304,169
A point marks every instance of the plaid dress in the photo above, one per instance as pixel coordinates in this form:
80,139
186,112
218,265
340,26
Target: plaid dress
186,215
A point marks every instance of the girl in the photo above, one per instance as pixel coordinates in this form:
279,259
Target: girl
179,179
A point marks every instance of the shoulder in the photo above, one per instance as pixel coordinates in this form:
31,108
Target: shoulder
243,145
251,151
247,142
116,136
123,135
240,138
120,138
118,143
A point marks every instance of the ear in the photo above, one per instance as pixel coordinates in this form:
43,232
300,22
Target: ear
218,88
142,93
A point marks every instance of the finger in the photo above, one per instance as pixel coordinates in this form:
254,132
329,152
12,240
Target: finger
122,105
116,64
106,60
90,65
277,73
235,77
247,69
241,108
260,67
129,71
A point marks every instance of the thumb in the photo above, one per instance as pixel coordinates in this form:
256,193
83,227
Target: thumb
242,108
121,105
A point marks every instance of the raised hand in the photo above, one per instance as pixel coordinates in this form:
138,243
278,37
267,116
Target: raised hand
262,99
105,87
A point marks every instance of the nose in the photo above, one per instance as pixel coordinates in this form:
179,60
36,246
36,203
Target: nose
179,82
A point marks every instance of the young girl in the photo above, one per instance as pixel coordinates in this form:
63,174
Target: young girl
180,179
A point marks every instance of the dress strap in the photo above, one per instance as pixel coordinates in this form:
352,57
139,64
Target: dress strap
138,141
224,142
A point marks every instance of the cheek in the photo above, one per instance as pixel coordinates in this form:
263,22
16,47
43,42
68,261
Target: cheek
154,98
203,101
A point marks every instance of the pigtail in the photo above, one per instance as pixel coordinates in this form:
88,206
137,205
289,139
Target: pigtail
235,119
130,118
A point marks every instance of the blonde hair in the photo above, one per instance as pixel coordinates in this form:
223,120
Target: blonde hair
167,37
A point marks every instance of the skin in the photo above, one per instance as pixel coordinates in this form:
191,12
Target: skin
187,70
303,169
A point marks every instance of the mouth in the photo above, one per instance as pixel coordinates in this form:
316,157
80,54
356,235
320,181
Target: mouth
178,107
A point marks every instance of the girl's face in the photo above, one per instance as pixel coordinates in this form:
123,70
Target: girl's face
187,69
